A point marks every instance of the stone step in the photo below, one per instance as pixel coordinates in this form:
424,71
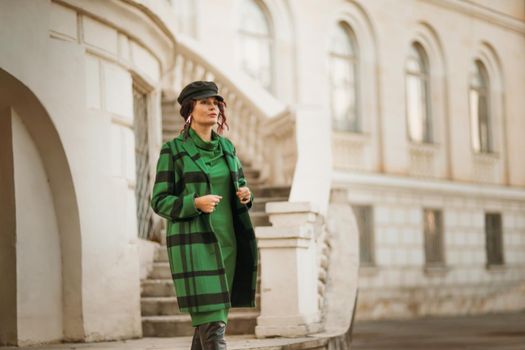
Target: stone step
167,326
162,254
166,306
251,173
255,183
271,191
180,325
157,288
259,219
259,203
161,270
159,306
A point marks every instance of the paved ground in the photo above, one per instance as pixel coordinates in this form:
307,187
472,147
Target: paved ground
488,332
234,342
494,332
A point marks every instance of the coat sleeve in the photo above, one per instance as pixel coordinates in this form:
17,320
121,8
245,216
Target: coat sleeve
242,179
166,198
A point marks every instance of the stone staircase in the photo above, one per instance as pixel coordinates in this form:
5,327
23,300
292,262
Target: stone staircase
160,313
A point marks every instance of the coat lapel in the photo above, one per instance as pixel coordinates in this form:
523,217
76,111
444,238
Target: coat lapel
193,152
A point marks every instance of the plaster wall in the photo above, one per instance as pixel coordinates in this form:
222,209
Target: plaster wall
39,270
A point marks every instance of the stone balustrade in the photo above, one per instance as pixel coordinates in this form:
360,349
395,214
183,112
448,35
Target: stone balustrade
263,129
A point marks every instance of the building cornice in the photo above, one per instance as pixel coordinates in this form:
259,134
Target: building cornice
470,9
443,187
140,20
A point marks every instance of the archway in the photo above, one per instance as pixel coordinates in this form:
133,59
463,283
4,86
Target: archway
40,244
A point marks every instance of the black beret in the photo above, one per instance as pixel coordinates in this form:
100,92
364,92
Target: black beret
198,90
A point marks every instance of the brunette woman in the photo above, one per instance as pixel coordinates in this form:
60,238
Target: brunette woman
201,190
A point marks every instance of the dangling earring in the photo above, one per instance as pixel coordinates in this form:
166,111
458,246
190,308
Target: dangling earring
186,127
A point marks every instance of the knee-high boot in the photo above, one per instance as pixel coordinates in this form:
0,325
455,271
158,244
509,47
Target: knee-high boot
212,335
196,341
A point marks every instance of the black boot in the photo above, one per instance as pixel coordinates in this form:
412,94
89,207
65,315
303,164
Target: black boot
212,335
196,341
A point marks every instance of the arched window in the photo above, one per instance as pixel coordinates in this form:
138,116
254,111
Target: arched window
343,80
417,95
255,43
479,108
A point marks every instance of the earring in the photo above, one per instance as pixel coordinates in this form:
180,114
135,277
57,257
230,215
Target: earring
188,120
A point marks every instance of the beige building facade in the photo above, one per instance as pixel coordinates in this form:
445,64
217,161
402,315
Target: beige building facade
397,124
442,219
438,195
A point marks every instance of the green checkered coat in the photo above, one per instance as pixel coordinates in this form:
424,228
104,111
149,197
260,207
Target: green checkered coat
194,254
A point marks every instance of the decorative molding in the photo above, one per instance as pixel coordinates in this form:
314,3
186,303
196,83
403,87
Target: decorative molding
131,18
443,187
486,167
472,10
423,159
349,149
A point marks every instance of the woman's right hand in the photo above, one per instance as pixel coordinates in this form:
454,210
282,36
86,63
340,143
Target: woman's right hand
207,203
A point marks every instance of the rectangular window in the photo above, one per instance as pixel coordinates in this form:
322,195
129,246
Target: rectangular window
365,224
433,231
493,239
142,164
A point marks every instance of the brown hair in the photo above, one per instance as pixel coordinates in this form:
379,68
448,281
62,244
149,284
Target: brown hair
187,107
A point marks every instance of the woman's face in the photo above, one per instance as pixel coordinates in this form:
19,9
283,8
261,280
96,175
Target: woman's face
206,111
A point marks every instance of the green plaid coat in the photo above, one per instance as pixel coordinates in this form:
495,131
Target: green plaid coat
194,253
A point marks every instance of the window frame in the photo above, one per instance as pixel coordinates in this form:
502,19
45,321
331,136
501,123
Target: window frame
440,228
499,255
428,135
354,61
358,209
475,130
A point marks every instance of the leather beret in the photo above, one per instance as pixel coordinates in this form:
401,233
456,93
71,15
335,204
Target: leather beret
198,90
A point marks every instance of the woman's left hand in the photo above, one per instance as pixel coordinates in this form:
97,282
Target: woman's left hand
244,194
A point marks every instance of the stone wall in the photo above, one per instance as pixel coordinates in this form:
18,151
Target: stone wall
400,284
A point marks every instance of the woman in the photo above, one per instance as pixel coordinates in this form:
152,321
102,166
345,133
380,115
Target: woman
201,190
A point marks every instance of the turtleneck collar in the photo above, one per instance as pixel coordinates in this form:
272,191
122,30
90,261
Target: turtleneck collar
211,145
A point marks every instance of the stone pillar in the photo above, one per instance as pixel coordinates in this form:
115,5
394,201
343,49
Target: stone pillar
289,271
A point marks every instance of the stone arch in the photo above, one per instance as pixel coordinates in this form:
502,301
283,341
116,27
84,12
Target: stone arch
355,19
365,149
33,165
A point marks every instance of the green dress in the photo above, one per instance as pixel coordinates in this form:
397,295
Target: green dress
221,218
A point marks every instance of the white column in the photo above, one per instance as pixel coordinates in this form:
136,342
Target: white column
313,169
289,272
